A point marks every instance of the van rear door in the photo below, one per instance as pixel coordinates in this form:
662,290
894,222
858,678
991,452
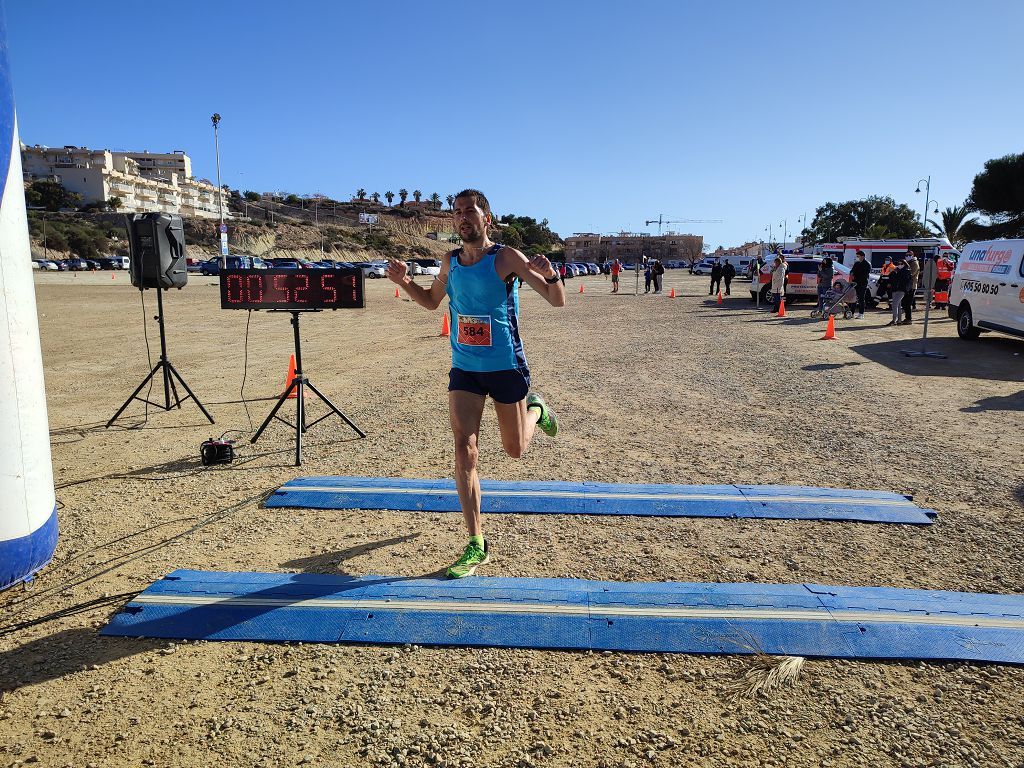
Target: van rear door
1008,302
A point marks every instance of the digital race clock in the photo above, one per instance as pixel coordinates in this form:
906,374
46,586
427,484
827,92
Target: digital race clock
291,289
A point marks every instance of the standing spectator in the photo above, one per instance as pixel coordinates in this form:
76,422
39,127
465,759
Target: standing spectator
615,270
561,272
883,282
899,284
716,278
647,278
778,282
658,273
728,273
859,273
826,273
910,298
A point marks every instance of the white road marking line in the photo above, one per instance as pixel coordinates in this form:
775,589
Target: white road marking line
677,612
612,496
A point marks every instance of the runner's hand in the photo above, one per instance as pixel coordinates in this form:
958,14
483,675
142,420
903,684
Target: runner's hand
541,264
397,271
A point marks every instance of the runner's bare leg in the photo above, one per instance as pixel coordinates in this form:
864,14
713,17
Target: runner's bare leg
517,425
465,410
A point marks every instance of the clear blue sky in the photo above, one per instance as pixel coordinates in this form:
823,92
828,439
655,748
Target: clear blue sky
595,115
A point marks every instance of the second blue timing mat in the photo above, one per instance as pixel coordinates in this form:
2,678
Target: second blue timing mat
675,617
751,501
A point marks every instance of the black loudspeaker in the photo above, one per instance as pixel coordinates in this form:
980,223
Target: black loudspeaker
157,242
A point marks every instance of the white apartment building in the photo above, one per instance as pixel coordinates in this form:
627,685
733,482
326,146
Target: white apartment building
143,181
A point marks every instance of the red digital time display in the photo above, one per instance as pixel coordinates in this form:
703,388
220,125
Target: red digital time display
291,289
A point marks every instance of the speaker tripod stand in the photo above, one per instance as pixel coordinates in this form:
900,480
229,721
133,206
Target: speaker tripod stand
168,371
298,385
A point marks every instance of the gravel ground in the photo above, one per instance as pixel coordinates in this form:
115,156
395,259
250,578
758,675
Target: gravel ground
647,389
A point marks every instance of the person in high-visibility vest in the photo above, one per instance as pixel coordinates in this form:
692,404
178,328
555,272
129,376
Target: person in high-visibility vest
884,281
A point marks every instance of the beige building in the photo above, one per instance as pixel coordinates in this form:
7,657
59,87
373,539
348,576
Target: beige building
628,247
143,181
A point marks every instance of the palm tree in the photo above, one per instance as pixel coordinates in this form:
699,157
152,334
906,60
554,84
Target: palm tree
416,195
403,195
955,224
389,196
436,200
361,193
451,201
375,197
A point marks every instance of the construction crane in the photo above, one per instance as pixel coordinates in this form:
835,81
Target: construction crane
661,221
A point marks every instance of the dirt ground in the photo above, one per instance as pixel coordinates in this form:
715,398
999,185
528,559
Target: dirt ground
647,389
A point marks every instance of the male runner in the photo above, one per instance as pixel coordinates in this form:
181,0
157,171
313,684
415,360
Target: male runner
487,353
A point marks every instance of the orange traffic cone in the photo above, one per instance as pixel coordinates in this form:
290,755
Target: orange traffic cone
112,276
719,297
672,293
445,330
782,308
396,291
581,287
830,330
291,377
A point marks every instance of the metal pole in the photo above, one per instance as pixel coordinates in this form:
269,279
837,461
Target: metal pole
927,193
220,188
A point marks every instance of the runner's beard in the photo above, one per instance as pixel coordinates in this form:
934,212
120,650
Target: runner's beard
471,234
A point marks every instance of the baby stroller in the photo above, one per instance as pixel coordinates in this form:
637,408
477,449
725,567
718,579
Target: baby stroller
841,298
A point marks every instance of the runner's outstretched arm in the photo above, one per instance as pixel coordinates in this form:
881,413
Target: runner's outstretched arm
430,298
536,271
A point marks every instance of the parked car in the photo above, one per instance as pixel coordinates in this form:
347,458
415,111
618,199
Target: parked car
593,269
47,265
986,292
285,264
373,270
428,266
703,267
195,267
802,280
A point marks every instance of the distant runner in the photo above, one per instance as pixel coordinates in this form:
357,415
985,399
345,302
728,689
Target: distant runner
487,353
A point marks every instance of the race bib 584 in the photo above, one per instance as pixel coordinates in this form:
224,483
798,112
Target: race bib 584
474,330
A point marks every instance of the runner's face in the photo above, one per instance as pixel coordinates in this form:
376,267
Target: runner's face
470,220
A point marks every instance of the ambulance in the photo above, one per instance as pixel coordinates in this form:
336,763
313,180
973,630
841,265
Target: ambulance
987,290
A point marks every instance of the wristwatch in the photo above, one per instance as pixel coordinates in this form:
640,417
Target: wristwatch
552,280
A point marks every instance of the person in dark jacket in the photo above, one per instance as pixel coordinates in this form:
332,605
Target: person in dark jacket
859,274
657,274
728,273
899,284
716,278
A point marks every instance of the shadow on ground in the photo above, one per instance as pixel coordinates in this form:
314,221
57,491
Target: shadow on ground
992,358
333,562
64,653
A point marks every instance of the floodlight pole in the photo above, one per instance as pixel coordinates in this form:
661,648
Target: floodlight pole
927,193
220,189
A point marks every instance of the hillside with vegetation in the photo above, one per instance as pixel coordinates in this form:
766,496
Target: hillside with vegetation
275,226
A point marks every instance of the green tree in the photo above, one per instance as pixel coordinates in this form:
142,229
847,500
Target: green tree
451,201
389,196
511,236
51,195
360,194
403,195
956,224
252,197
998,194
416,195
293,199
436,200
856,218
115,202
530,231
375,197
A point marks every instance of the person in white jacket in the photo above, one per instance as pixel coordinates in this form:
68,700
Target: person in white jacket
779,267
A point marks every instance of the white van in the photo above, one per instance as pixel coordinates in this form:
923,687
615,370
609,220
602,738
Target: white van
987,293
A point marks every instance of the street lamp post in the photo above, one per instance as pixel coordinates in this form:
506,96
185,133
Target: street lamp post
927,193
768,229
220,189
785,232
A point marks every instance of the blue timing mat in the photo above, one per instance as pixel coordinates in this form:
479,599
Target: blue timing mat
752,501
777,619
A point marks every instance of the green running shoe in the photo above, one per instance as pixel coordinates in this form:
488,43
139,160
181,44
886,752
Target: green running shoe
472,556
548,422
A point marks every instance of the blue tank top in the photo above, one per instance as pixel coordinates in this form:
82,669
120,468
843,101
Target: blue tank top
484,315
